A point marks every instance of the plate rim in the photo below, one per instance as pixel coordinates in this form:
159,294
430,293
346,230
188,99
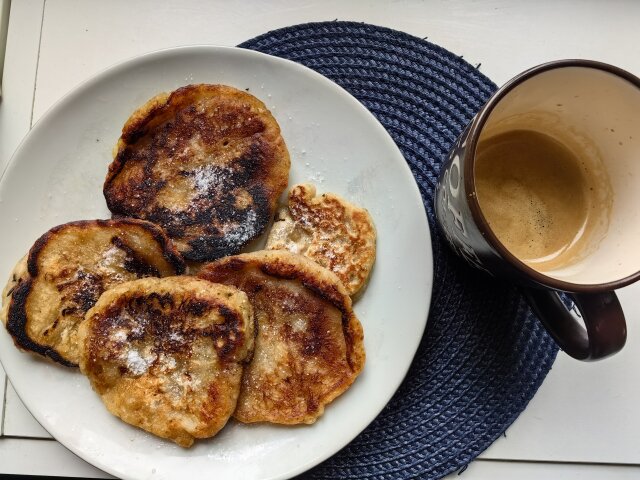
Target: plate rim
210,49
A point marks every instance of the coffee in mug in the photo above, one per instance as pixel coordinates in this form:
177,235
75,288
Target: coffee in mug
542,188
547,204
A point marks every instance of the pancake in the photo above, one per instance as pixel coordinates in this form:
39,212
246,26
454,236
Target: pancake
68,268
165,354
329,230
19,275
205,162
309,345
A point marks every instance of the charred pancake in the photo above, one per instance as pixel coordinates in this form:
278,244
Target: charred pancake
330,231
309,346
66,271
18,276
205,162
165,354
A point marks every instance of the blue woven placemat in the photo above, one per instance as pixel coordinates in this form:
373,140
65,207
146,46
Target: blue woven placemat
483,355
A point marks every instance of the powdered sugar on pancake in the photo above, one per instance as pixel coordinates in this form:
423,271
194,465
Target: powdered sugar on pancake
210,179
138,364
241,233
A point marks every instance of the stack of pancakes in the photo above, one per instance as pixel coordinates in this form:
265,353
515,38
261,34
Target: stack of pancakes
268,336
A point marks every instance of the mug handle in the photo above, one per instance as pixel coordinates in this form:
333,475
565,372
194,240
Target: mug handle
606,329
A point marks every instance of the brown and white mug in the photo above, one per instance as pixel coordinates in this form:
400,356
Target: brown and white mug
592,109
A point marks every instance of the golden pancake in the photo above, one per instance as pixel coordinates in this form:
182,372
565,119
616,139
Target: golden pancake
330,231
68,268
309,346
165,354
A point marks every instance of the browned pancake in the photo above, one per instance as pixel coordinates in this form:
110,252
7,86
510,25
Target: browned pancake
68,268
330,231
206,162
19,275
309,347
166,354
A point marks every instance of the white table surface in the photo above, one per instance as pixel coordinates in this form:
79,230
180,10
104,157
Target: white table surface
584,421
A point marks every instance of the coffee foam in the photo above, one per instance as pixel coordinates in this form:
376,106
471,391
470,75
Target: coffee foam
539,198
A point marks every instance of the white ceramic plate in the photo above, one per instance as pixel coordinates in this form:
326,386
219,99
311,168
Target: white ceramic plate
56,176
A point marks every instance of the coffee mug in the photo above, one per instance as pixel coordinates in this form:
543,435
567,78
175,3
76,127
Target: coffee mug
543,188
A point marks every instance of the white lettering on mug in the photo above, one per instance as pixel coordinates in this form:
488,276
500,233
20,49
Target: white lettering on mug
455,163
451,182
467,252
451,191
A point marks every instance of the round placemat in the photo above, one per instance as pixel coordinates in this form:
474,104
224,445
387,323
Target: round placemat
483,355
